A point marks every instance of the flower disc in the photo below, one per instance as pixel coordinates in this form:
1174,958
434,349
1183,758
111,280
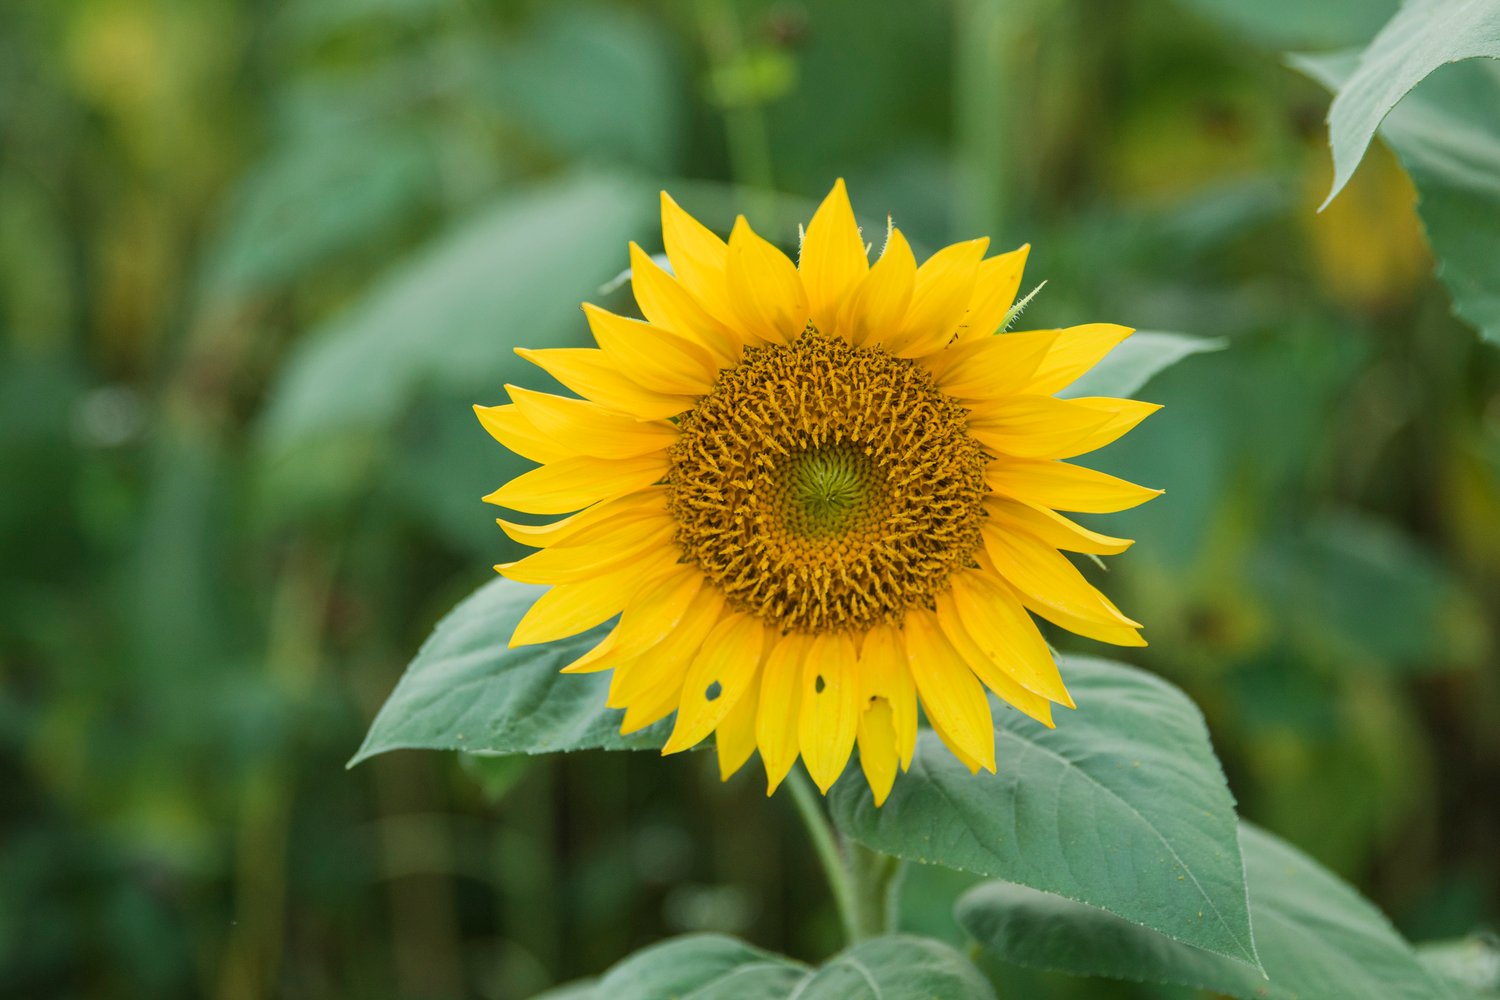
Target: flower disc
825,486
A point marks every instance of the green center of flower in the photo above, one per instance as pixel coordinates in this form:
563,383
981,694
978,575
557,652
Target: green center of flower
830,488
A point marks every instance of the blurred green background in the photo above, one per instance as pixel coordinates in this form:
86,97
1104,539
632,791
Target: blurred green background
257,259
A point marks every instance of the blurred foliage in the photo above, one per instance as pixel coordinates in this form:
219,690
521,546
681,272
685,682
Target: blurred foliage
256,261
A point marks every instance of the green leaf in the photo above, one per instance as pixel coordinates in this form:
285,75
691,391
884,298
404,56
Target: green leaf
1424,35
583,989
1286,24
713,967
896,967
468,690
1318,940
1135,362
1122,806
1471,965
449,317
1447,136
703,965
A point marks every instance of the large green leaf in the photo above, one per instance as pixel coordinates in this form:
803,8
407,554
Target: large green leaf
1136,361
1447,136
1471,965
713,967
467,690
1424,35
894,968
449,317
1288,24
1318,940
1122,806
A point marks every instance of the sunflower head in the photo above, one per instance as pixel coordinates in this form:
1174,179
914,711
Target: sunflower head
817,496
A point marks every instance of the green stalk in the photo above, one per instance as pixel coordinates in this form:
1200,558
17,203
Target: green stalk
877,888
863,881
840,877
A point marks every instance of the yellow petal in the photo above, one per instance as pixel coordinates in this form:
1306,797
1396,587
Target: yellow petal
1052,528
995,290
974,764
1047,427
1002,630
658,359
665,655
647,504
699,260
734,740
1110,632
765,288
586,428
940,297
884,673
877,748
651,706
1064,487
574,483
833,258
570,608
668,305
951,694
653,612
1033,426
602,656
724,670
873,312
508,425
1127,415
780,706
572,563
1078,348
1045,575
990,367
830,707
984,667
588,372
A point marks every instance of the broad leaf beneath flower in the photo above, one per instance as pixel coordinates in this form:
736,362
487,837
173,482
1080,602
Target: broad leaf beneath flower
712,967
1122,806
1317,938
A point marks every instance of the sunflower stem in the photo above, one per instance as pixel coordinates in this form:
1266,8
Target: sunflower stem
876,889
864,882
840,877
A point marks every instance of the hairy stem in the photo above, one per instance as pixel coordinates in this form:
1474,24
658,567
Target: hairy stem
863,881
840,878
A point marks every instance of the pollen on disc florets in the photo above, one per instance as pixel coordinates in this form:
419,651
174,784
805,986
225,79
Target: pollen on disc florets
824,486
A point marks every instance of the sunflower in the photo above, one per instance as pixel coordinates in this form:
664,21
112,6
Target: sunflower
817,495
